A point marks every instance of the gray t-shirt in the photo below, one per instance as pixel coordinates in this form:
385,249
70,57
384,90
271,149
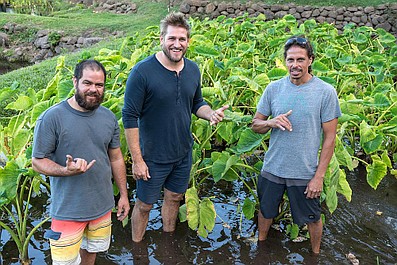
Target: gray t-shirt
295,154
62,130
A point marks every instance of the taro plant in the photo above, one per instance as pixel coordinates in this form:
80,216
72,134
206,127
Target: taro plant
18,186
19,183
238,58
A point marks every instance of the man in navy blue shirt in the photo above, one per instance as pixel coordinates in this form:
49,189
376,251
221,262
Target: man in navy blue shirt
161,94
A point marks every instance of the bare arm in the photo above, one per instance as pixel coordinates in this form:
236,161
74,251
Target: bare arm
315,186
261,123
119,174
73,167
139,167
214,116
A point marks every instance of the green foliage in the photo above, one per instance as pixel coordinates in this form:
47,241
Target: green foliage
17,179
238,58
37,7
54,38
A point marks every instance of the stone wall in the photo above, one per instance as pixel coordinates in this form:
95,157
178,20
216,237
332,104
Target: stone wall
114,6
382,16
46,44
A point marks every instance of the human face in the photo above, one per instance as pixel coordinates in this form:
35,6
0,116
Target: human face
174,43
298,63
90,89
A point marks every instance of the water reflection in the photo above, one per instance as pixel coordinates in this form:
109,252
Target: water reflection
354,227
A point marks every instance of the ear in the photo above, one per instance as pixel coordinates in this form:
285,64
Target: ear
311,60
75,82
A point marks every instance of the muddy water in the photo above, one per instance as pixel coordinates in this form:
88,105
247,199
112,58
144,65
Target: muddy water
354,227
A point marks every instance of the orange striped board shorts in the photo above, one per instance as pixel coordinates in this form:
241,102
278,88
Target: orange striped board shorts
67,237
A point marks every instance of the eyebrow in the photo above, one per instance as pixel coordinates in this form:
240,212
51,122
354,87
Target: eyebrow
90,82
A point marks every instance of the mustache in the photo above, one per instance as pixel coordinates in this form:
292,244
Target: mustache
92,94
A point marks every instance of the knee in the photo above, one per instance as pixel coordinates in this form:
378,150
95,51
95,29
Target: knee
173,196
143,207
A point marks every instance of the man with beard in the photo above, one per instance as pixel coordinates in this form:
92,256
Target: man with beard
304,112
76,143
161,94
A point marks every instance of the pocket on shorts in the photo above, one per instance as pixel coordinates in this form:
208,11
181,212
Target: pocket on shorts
50,234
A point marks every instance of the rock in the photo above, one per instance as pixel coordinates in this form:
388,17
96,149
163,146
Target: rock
184,8
385,25
210,8
91,41
4,40
42,42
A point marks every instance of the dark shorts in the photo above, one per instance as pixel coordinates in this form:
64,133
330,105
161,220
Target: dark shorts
270,193
173,176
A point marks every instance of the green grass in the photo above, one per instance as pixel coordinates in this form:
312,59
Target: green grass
78,20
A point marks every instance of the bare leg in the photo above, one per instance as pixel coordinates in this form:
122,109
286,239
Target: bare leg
263,226
315,232
169,211
87,258
139,220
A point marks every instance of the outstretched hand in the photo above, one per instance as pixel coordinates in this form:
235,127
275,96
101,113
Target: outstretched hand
218,115
77,166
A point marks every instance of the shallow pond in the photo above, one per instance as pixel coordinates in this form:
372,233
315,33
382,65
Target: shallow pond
354,227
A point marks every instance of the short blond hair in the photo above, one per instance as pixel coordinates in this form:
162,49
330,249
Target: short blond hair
175,19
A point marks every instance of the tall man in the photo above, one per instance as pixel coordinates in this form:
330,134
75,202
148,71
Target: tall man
76,143
304,112
161,94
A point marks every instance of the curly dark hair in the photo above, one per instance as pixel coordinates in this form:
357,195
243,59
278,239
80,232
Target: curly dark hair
302,42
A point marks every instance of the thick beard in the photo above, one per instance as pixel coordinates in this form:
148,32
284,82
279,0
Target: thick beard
90,106
168,54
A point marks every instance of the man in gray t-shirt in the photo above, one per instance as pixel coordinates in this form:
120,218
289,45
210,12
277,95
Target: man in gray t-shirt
303,113
76,143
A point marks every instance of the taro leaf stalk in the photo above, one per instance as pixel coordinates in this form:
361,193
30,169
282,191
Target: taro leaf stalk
16,190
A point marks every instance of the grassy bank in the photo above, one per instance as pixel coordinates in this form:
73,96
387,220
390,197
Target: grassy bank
78,20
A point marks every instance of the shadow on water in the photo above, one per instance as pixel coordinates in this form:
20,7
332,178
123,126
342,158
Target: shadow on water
354,227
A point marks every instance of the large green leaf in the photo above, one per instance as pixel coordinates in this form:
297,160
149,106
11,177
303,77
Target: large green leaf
276,73
249,208
9,182
65,88
373,145
192,208
320,67
206,50
343,186
386,159
182,213
52,86
20,141
369,139
293,231
379,101
376,171
39,108
342,155
6,93
331,181
249,140
222,167
207,217
331,199
22,103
